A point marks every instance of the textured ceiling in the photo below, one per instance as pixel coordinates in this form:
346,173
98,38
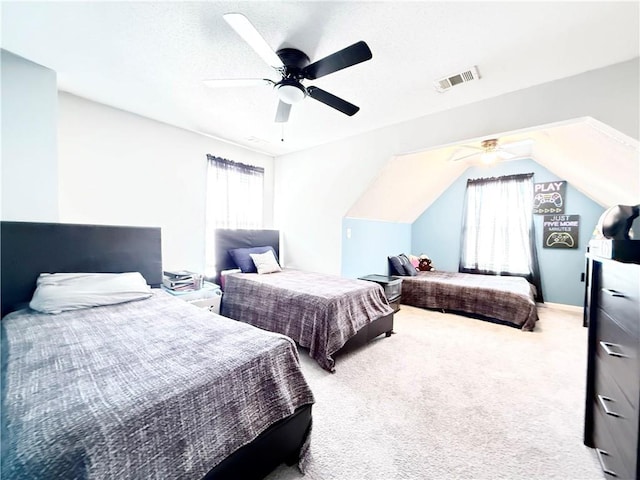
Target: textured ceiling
150,58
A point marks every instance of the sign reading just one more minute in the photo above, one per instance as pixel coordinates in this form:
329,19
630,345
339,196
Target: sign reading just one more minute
560,231
549,197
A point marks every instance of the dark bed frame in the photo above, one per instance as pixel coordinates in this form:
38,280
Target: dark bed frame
28,249
226,240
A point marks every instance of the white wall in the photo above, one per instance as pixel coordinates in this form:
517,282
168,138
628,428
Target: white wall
315,188
122,169
29,138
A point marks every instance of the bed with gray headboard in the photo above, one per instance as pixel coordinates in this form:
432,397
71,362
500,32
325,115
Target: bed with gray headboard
142,389
326,314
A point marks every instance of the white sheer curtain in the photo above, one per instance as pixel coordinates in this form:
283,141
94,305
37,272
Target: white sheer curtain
497,228
234,199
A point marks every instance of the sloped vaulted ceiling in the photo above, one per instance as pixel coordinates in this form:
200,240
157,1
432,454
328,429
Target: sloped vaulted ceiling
599,161
596,159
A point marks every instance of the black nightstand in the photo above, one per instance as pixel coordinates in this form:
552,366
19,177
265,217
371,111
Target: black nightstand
392,288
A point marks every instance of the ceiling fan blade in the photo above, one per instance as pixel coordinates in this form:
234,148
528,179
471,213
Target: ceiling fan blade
473,147
237,82
282,115
357,53
333,101
503,154
456,159
249,34
518,143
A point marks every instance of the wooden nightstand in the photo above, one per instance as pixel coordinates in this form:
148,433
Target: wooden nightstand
209,296
392,288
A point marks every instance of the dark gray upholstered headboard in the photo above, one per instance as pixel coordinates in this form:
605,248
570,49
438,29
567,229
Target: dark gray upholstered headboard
28,249
226,239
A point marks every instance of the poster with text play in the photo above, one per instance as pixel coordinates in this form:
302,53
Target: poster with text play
549,197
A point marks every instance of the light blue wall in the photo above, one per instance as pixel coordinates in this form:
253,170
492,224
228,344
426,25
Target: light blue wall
366,244
437,231
29,140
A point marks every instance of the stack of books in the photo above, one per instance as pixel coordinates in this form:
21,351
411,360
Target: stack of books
182,280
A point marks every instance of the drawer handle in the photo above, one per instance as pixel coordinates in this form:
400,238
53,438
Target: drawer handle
601,454
613,293
603,401
607,348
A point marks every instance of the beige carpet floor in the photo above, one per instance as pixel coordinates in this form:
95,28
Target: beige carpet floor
450,397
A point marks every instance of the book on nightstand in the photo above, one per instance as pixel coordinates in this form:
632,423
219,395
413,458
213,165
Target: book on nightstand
182,280
178,273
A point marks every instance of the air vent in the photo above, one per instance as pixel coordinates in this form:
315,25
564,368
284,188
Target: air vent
446,83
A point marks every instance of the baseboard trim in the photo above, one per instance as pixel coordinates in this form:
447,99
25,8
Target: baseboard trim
561,306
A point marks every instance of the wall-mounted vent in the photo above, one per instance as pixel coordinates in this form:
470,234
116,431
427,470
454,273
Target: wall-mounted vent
444,84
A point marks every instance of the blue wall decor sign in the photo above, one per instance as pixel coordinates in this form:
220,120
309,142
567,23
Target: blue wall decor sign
549,197
560,231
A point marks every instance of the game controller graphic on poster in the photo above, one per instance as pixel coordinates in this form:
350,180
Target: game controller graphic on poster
560,231
560,238
548,197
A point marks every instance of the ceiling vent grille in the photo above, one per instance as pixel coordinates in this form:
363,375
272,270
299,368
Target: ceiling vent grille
444,84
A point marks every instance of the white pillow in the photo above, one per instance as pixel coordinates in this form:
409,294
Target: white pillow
265,262
58,292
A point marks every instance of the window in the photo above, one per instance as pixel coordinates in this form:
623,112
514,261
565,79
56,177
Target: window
497,228
234,199
234,194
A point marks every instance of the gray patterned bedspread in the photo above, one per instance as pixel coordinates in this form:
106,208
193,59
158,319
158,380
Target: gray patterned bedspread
320,312
508,299
152,389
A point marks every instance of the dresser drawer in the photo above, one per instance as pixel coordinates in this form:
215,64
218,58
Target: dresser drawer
611,460
617,355
619,294
619,415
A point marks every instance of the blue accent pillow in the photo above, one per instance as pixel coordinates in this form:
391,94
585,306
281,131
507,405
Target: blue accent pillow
241,256
409,269
400,265
397,265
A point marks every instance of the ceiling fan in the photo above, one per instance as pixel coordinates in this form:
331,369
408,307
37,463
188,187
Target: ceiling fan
293,66
490,150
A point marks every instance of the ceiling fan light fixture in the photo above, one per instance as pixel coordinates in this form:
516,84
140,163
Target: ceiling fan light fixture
490,153
291,91
489,157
